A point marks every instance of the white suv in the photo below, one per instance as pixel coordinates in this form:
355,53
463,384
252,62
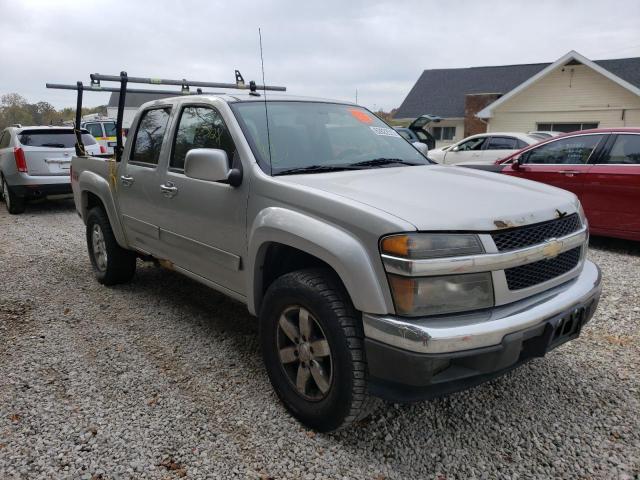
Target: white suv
35,161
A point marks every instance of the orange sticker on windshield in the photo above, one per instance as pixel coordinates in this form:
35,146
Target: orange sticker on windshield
361,116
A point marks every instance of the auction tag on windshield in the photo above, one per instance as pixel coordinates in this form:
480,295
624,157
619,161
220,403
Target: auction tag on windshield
384,131
361,116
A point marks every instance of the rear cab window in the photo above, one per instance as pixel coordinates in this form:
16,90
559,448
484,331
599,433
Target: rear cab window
53,138
150,135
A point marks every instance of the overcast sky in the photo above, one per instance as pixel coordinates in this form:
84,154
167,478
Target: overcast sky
325,48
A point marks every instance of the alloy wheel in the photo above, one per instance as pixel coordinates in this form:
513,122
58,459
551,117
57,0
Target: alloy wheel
99,248
304,352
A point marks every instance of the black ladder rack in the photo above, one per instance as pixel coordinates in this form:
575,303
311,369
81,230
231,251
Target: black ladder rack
124,79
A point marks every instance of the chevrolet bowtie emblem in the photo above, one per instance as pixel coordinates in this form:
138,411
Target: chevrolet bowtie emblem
552,248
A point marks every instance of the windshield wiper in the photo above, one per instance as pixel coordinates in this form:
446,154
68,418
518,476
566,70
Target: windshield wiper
316,169
54,145
378,162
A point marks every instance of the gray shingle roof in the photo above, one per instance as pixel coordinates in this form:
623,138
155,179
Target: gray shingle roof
134,100
441,92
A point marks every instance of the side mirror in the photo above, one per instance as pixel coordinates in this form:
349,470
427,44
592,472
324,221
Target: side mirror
455,148
211,164
515,163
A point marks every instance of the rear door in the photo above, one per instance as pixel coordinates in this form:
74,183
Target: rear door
203,223
500,147
561,163
612,188
139,180
467,151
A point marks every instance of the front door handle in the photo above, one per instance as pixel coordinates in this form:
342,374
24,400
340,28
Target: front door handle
127,180
169,190
570,173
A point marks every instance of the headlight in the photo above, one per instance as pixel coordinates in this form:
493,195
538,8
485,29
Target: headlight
418,246
416,296
582,215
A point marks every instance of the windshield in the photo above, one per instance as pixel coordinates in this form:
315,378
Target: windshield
53,138
321,137
109,129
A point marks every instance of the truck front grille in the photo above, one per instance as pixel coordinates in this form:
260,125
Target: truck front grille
538,272
522,237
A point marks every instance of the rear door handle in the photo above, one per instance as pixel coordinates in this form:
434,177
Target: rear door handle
127,180
169,190
570,173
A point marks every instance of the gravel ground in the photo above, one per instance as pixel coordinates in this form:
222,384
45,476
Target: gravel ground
163,379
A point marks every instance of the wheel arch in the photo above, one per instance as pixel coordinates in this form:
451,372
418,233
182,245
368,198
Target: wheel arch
95,192
282,240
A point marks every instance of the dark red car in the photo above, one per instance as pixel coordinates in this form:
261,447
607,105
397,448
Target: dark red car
601,166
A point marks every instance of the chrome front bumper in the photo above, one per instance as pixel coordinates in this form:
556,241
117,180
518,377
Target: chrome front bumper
460,332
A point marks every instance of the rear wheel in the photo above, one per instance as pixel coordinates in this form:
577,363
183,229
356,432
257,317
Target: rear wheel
14,203
111,263
312,344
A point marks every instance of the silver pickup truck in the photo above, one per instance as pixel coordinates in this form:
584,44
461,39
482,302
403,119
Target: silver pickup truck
373,272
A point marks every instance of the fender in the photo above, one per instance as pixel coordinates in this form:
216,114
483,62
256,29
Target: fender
336,247
90,182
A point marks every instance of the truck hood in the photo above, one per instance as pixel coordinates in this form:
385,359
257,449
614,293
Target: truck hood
436,197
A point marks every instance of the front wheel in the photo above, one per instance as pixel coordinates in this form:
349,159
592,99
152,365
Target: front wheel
313,349
14,203
111,263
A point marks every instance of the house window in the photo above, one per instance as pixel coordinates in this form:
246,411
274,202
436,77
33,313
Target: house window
565,127
444,133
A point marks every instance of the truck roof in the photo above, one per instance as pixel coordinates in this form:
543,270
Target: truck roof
245,97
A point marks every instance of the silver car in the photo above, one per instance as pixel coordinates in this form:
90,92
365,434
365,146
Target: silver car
35,162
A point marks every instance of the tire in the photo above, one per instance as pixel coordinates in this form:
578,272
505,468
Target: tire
111,263
15,204
340,396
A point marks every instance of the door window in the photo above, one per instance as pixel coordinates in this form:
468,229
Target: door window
200,127
473,144
149,136
625,151
109,129
567,151
4,140
502,143
94,129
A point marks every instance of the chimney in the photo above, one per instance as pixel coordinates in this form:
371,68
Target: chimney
473,103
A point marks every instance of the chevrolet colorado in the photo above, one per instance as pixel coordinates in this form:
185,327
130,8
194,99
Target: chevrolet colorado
373,272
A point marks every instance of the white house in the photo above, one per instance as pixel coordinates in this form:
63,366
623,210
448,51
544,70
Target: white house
572,93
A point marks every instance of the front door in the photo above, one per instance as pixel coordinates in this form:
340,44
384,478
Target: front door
468,151
561,163
203,224
138,182
612,189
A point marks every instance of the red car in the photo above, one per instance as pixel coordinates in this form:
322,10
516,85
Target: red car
601,166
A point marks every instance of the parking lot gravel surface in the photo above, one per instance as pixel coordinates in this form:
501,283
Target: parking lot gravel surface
163,379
